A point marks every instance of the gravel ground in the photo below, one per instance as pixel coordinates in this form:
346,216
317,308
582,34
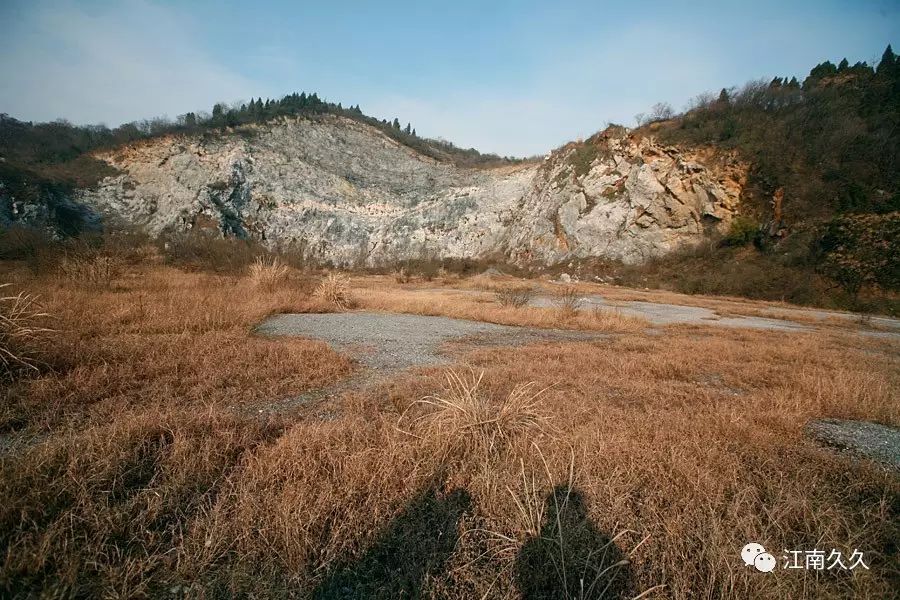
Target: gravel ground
668,314
871,440
389,341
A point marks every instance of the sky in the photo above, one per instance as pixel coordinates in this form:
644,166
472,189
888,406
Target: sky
515,78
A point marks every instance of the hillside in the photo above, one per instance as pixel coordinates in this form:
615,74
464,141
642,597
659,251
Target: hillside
342,192
778,190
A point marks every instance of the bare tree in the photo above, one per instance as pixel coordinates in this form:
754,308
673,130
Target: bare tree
661,111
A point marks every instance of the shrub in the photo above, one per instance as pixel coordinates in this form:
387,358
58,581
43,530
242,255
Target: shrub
210,252
743,231
20,332
860,250
335,289
568,303
91,269
268,273
515,297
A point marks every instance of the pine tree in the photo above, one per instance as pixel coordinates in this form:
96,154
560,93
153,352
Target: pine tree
396,123
888,61
408,129
843,65
723,96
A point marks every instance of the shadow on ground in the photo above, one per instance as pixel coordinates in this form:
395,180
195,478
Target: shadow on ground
415,547
571,558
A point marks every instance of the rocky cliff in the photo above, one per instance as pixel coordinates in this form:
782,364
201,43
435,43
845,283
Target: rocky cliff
345,192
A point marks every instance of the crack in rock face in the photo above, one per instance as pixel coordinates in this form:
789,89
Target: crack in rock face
350,195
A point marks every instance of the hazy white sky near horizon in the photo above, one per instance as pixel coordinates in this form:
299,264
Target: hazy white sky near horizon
514,78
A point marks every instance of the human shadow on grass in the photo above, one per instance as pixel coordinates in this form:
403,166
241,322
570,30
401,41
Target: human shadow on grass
415,546
571,558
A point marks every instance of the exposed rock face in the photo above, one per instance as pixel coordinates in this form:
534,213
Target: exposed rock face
345,192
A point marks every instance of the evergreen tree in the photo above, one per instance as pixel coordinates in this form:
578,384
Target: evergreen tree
723,96
843,65
396,123
408,129
888,61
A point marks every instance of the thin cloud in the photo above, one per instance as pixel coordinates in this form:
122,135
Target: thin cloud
135,61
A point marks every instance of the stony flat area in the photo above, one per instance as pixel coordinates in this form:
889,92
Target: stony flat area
870,440
390,341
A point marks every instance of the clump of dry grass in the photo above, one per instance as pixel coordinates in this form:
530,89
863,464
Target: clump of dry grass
615,320
515,297
568,303
20,331
268,273
402,275
335,290
91,270
465,414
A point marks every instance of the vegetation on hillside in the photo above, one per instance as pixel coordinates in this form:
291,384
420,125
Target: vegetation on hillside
823,153
42,157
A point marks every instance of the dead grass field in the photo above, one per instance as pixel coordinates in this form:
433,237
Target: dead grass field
139,465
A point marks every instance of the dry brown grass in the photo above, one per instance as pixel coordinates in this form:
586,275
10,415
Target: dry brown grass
516,297
463,304
334,289
402,276
91,269
567,303
472,419
150,468
268,273
21,331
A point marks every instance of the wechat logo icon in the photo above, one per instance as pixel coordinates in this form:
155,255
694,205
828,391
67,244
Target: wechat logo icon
755,554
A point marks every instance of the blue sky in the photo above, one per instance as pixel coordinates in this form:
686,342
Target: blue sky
510,77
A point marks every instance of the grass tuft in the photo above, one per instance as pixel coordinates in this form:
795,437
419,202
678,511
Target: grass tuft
568,303
467,414
20,332
268,273
515,297
335,290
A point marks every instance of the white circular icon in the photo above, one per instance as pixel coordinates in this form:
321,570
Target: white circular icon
750,552
764,562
